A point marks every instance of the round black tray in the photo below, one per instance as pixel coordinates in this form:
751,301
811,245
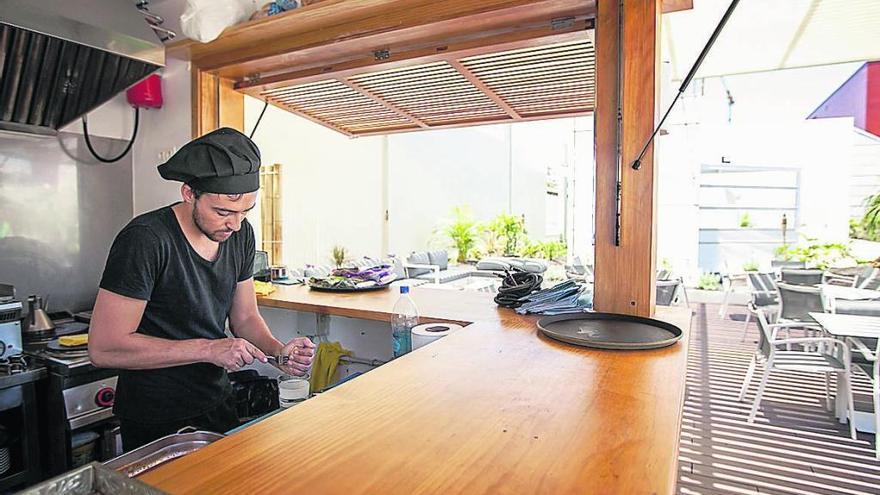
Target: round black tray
55,345
354,289
610,331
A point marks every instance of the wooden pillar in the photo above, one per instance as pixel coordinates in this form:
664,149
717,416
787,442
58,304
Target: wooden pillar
215,103
625,274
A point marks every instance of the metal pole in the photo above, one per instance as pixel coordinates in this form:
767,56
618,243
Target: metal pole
637,163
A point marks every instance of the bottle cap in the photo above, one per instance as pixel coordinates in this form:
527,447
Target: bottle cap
404,289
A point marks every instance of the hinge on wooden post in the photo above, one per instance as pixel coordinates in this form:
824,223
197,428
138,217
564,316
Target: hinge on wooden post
562,23
252,78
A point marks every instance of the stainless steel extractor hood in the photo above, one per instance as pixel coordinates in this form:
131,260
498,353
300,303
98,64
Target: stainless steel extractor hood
59,60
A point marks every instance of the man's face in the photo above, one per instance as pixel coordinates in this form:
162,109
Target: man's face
219,215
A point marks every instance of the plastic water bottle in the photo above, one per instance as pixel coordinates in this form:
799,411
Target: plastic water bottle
404,317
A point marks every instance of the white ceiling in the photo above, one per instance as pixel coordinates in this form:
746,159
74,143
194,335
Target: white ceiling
766,35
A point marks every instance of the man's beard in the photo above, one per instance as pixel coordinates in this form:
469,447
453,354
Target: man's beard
210,235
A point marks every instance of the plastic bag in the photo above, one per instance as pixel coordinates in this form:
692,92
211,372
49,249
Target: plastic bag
204,20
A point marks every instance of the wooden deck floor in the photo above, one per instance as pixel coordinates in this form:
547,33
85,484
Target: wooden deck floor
795,446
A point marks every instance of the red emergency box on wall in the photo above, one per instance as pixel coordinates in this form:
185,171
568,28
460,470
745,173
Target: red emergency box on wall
147,93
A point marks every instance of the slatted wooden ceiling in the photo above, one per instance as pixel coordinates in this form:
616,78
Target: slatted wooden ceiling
556,80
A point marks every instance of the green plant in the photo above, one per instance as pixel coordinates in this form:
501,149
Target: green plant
554,250
745,220
751,266
821,255
666,265
339,255
462,232
533,250
508,229
870,222
709,281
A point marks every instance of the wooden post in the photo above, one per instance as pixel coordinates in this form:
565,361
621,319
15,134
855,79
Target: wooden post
215,103
625,274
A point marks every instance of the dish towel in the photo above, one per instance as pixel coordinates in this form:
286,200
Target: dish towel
324,366
263,288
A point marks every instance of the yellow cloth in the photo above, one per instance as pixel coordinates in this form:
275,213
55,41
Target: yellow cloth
324,366
74,340
263,288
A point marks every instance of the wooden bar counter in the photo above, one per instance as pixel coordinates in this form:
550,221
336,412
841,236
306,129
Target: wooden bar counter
495,408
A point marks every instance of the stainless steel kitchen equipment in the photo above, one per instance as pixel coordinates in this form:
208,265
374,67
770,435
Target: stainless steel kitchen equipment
18,419
77,397
92,479
10,328
63,59
158,452
39,323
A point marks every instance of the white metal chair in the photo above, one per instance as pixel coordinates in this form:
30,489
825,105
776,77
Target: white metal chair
835,359
797,276
796,302
764,296
867,360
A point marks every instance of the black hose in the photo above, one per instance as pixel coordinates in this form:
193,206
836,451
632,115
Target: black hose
137,113
516,285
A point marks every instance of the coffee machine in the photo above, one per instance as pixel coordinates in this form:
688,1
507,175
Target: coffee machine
10,322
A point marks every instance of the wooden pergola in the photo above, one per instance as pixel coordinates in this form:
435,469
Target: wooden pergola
366,67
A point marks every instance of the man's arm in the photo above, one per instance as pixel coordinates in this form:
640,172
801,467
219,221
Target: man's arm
114,342
246,322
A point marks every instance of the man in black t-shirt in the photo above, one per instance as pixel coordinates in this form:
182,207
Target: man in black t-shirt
173,278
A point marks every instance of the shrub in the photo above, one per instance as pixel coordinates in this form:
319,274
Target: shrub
509,230
821,255
709,281
462,232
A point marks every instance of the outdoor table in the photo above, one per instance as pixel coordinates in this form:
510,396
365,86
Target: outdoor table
848,293
857,326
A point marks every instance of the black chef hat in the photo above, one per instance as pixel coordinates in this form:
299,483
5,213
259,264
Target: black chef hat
224,161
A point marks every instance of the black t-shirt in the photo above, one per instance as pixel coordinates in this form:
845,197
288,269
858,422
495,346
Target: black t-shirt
188,297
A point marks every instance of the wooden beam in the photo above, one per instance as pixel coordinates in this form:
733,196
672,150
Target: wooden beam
676,5
215,103
205,102
415,55
336,30
231,111
625,274
464,71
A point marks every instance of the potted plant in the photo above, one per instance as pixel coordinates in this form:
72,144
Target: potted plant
751,266
816,254
462,232
339,255
707,289
511,230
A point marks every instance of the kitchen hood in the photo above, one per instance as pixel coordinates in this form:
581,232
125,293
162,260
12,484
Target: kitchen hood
60,60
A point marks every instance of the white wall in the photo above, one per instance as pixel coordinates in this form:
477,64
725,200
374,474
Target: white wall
114,119
163,131
430,172
492,169
160,130
331,186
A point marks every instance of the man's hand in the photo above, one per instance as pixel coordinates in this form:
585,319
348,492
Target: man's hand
301,353
233,353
